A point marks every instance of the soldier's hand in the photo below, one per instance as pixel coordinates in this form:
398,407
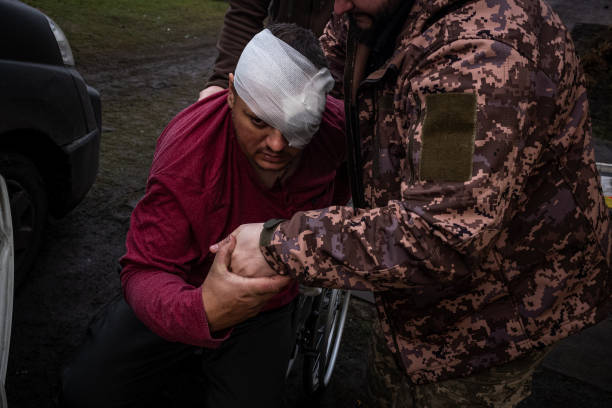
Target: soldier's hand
209,91
229,298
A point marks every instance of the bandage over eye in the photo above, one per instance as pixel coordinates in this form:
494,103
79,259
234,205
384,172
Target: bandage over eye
282,87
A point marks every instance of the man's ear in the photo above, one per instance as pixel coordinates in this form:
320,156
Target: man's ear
231,95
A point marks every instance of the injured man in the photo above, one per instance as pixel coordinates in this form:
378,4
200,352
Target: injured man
266,148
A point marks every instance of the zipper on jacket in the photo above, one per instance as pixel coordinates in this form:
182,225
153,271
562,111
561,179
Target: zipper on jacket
376,141
410,159
352,126
418,118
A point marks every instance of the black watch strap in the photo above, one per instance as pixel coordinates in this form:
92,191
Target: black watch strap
268,231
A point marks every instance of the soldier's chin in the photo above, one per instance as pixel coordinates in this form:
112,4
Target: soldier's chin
363,21
363,27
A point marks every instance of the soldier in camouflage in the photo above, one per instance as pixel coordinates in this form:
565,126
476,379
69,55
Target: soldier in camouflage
479,220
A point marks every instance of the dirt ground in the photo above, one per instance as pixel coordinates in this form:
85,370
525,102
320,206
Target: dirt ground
76,274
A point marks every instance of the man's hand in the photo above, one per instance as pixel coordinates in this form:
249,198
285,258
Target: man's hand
209,91
229,298
247,259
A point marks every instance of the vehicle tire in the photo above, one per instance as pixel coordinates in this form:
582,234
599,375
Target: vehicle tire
326,328
28,201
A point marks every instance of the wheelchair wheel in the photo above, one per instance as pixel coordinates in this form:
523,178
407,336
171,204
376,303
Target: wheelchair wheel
325,328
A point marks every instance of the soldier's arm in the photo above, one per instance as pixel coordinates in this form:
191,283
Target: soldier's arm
423,238
242,21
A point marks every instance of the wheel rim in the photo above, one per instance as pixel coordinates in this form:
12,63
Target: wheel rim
23,217
332,319
337,329
330,336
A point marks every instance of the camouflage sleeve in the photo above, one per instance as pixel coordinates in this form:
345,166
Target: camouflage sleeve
436,227
333,42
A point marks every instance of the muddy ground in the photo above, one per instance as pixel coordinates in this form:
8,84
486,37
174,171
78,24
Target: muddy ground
75,273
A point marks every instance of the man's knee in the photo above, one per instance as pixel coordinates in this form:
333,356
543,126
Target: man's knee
79,389
118,363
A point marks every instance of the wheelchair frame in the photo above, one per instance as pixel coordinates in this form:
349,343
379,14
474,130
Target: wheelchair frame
320,324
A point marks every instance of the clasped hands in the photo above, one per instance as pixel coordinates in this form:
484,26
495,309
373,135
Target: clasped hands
246,258
240,281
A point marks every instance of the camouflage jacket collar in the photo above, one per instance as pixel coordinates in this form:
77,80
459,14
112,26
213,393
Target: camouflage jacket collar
417,15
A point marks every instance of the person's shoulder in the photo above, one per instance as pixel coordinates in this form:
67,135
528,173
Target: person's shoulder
198,131
529,26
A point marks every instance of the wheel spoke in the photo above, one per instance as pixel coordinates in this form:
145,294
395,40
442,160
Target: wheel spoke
331,337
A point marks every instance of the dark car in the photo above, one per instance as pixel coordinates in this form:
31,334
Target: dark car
50,125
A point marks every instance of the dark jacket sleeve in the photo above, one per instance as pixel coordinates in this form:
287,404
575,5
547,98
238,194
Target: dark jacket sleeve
242,21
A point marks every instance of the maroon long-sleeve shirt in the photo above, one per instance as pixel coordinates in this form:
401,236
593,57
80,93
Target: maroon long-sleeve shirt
200,188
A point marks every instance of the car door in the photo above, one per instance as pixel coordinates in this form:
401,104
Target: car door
6,285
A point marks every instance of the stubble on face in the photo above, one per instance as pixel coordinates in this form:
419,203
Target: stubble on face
368,35
270,166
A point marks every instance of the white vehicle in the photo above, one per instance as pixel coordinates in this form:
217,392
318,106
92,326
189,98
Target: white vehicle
6,285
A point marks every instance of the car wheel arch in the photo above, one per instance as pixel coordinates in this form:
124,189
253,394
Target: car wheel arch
48,158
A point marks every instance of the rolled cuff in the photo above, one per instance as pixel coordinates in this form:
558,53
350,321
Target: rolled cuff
209,340
271,245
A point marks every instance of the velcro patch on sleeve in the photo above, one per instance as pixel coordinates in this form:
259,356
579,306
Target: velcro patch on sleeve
448,137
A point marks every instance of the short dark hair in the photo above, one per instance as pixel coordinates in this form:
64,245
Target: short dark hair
302,39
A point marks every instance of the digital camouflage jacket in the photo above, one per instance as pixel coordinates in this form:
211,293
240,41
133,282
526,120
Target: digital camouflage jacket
485,233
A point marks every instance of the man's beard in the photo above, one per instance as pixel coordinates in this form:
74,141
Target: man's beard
368,36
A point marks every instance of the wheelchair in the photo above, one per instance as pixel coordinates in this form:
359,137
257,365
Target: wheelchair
321,314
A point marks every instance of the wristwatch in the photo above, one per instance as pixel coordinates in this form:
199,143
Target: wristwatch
268,230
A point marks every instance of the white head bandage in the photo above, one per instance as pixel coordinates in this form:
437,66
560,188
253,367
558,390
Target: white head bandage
282,87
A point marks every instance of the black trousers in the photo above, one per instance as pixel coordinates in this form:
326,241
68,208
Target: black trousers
123,364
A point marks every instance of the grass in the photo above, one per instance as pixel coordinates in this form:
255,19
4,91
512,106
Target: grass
148,59
102,29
